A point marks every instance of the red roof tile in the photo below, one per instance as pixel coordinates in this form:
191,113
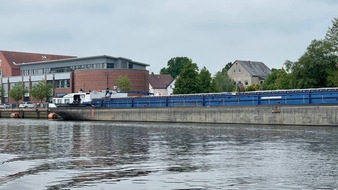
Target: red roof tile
24,57
160,81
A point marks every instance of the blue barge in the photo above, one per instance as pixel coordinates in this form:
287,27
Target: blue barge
255,98
310,107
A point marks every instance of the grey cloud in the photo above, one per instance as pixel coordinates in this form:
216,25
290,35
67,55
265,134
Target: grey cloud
211,33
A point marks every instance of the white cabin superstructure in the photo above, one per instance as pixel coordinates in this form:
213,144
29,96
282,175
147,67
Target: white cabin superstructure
85,97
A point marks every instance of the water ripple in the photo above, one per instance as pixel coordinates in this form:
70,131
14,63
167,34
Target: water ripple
103,155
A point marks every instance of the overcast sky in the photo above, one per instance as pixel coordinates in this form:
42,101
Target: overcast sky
210,32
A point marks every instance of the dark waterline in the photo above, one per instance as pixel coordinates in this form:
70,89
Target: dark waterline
42,154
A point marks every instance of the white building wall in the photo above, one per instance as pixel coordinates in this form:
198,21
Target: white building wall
151,89
239,74
158,92
37,78
61,76
170,88
15,79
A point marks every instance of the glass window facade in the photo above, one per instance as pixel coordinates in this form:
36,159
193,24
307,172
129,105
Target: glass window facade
110,65
78,65
64,83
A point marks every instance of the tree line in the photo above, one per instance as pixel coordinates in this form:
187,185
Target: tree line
316,68
40,91
190,80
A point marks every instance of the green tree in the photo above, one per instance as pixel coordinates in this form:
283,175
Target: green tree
252,87
317,67
2,92
222,82
17,91
283,80
332,36
332,78
270,81
311,69
227,66
123,83
42,90
205,80
188,81
175,66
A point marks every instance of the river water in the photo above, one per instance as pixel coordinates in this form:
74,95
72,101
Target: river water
45,154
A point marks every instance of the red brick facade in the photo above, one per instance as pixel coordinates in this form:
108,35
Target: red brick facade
6,68
100,79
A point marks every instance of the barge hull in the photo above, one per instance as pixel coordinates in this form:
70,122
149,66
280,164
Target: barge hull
316,115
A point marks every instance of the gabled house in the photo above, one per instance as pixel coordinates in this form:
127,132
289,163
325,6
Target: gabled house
248,72
161,84
10,61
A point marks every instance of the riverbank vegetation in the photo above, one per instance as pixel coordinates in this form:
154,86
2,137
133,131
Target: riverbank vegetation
316,68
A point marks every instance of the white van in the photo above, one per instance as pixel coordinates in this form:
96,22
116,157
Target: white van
26,105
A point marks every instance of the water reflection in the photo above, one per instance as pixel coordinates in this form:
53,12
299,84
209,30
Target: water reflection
101,155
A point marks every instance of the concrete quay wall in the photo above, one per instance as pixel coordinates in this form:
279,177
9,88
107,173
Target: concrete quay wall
282,115
25,113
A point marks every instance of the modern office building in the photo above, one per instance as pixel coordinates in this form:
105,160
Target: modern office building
71,74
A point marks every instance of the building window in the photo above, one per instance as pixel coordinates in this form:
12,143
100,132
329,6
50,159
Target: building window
61,69
46,71
234,70
124,64
0,73
110,65
5,89
239,70
246,82
67,83
89,66
64,83
26,85
99,66
38,72
130,66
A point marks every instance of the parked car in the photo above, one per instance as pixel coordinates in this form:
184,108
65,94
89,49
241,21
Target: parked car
5,106
26,105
